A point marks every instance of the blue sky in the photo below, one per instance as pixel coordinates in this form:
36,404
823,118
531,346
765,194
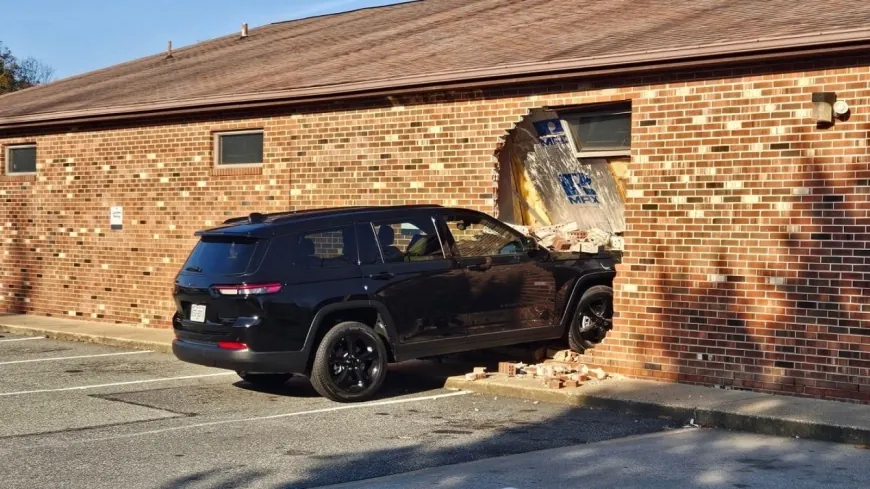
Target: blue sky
76,36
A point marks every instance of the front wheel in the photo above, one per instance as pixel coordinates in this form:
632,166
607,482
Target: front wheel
592,320
350,364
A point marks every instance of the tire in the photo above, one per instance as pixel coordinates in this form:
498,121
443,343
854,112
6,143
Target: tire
593,318
350,364
266,381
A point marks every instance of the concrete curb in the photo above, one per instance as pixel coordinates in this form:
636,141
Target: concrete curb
82,337
728,415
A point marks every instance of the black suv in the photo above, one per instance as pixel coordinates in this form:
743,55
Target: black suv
336,294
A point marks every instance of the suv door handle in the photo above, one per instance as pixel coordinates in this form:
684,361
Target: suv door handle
481,267
382,276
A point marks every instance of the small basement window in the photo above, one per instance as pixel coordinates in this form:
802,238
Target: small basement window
238,148
600,131
21,160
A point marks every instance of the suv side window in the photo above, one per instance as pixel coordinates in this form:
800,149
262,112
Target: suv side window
325,248
475,235
369,249
408,240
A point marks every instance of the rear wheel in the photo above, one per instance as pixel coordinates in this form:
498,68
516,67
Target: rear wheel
269,381
593,318
350,364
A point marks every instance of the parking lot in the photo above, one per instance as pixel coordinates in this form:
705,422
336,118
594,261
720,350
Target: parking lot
81,415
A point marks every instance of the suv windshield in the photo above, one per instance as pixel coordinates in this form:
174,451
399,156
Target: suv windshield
222,256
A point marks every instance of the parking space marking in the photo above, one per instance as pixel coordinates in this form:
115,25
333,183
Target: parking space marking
56,359
343,407
113,384
24,339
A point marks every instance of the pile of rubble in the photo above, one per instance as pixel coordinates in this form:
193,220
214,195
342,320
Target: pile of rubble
563,371
569,237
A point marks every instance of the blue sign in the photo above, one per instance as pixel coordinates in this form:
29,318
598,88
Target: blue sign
578,188
551,132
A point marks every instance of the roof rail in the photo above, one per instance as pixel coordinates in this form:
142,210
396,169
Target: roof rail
257,218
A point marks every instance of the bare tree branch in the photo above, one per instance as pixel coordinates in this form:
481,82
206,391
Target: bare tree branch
17,75
33,72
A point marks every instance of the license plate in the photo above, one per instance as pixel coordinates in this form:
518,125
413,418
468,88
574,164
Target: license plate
197,313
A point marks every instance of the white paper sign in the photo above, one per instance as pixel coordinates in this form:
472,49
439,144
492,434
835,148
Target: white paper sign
116,218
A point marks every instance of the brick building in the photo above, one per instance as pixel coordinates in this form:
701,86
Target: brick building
746,219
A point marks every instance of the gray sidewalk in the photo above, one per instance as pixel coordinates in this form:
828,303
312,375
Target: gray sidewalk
120,335
728,409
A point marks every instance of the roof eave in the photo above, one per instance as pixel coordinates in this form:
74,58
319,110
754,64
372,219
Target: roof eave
685,57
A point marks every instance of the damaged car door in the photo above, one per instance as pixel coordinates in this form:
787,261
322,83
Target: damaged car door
509,289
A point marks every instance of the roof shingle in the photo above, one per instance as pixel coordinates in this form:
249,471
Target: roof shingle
429,37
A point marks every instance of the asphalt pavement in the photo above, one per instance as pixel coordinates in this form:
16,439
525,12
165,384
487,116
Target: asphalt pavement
690,458
79,415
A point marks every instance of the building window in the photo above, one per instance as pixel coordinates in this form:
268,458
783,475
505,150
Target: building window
21,160
600,131
238,148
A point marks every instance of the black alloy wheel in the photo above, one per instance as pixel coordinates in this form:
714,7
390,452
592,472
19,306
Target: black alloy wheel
350,364
593,319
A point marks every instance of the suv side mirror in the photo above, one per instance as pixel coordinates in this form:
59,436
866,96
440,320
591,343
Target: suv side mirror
529,243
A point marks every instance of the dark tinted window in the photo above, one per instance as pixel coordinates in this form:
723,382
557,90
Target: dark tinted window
368,245
222,256
409,240
475,235
21,159
329,248
601,131
240,149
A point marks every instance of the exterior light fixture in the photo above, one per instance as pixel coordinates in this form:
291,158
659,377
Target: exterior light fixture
823,107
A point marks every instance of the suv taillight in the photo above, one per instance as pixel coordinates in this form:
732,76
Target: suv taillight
248,289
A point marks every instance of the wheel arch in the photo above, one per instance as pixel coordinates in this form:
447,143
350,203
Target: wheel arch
371,313
583,283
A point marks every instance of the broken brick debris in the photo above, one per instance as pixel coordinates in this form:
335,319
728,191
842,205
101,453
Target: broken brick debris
563,371
507,368
569,237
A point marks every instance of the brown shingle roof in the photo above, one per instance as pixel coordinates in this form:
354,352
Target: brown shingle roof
441,39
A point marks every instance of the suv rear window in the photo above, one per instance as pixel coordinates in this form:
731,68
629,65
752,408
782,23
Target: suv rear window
222,256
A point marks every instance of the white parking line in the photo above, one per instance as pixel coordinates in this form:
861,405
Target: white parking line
114,384
24,339
343,407
54,359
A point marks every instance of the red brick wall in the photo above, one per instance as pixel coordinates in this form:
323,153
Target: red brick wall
746,263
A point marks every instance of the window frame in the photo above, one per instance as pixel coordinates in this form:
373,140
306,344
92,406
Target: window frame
8,159
217,135
483,217
591,111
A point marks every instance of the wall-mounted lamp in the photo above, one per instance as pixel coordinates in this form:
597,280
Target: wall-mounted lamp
826,108
823,107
